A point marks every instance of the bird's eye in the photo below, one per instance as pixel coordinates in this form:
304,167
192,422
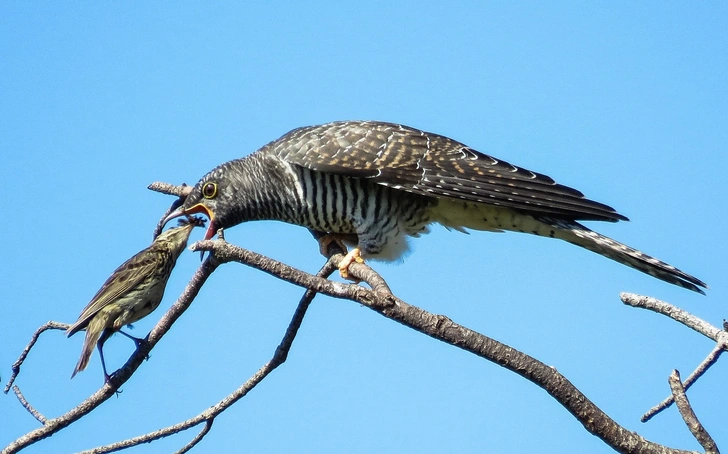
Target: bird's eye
209,190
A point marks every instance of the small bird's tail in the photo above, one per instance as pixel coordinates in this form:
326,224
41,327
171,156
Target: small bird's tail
93,332
577,234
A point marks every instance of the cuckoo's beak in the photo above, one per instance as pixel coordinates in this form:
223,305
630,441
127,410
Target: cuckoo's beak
195,209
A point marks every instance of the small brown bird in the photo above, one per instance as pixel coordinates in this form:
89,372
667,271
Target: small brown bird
132,292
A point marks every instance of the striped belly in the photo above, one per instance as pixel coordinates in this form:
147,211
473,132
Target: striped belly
381,217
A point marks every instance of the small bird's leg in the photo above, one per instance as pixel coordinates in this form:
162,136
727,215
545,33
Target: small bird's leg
353,256
100,345
138,341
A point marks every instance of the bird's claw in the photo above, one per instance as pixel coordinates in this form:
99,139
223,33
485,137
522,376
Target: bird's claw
326,241
353,256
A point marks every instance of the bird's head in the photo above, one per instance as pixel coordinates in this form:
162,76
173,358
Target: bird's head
175,239
212,196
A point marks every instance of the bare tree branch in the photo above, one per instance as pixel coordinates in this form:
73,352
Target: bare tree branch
688,415
444,329
198,438
26,350
697,373
36,414
165,188
675,313
691,321
170,189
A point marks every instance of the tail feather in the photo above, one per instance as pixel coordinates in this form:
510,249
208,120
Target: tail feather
577,234
93,332
460,215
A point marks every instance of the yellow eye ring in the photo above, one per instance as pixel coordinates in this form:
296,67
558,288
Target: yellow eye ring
209,190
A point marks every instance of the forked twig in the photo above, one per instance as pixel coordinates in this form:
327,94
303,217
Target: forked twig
691,321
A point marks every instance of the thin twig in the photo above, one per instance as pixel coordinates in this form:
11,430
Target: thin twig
697,373
26,350
688,415
198,438
689,320
165,188
675,313
36,414
170,189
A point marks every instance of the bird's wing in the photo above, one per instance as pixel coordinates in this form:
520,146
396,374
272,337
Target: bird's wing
432,165
126,277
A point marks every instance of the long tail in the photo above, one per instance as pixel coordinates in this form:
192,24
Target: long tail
575,233
93,332
460,216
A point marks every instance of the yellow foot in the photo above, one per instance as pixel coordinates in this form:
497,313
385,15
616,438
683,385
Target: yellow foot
353,256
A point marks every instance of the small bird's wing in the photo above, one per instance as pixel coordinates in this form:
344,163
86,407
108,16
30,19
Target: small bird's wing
125,278
432,165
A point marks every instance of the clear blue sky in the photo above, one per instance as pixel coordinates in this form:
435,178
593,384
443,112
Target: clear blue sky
626,102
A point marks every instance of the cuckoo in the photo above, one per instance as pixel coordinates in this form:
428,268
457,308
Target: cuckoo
373,184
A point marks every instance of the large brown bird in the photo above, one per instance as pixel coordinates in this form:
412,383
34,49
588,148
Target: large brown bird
377,183
132,292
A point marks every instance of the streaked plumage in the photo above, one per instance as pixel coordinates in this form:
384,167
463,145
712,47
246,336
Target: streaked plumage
384,182
132,292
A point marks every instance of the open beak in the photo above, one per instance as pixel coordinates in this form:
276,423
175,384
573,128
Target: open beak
196,209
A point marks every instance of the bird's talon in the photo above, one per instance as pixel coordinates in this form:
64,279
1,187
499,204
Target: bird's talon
326,240
353,256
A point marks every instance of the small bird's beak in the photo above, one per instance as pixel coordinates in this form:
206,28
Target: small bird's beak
196,209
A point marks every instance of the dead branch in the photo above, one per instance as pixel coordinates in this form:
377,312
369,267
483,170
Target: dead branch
444,329
691,321
677,314
26,350
165,188
24,402
170,189
697,373
686,411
